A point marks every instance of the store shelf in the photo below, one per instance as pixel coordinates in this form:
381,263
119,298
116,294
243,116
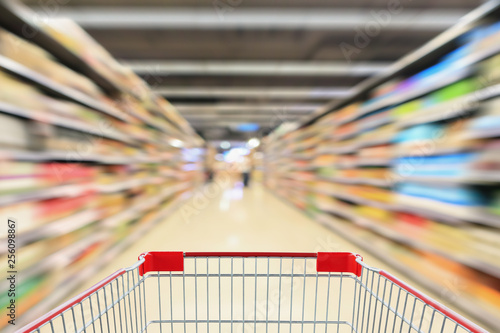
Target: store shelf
361,129
58,89
351,236
354,147
358,200
137,209
437,149
63,122
72,157
70,190
382,140
345,149
415,60
304,168
293,185
441,211
482,133
477,177
74,190
394,235
170,174
361,162
149,121
136,146
409,79
360,181
458,107
374,124
345,136
374,161
75,279
60,258
128,184
125,215
56,228
152,202
410,94
303,157
20,20
446,211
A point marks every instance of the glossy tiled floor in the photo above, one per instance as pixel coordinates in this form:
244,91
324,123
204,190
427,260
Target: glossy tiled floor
236,219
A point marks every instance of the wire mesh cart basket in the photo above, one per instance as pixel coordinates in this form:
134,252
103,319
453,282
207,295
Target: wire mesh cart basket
251,292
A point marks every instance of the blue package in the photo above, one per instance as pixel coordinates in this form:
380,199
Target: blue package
453,165
451,159
464,196
420,132
485,122
457,54
437,68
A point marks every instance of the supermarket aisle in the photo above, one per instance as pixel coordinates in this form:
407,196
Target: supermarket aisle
236,219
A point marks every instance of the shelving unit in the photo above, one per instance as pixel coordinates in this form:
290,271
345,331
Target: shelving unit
90,160
50,86
357,237
405,167
78,277
21,20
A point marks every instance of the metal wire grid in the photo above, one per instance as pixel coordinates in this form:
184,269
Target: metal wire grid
119,306
258,294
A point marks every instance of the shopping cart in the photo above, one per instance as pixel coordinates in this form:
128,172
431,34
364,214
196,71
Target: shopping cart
251,292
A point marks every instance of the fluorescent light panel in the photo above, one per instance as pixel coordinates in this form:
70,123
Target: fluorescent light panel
256,68
254,92
246,18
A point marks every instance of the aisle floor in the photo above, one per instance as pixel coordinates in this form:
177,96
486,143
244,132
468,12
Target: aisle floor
237,219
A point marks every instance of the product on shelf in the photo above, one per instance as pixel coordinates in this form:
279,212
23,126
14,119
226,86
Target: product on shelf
345,113
380,151
456,195
14,132
40,61
383,134
71,36
489,71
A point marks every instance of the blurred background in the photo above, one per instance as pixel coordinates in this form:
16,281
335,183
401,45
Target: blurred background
376,120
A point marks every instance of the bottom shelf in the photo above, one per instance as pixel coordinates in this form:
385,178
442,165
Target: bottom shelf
431,271
436,279
86,269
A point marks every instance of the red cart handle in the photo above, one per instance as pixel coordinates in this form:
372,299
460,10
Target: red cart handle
345,262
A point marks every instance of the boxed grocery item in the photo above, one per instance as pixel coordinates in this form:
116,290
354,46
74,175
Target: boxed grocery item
18,93
17,177
14,132
454,194
37,59
379,151
386,89
371,193
346,112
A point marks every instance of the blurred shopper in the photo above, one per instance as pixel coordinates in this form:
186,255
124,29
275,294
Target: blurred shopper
209,174
245,169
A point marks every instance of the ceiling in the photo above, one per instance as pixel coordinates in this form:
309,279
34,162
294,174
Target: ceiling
224,63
